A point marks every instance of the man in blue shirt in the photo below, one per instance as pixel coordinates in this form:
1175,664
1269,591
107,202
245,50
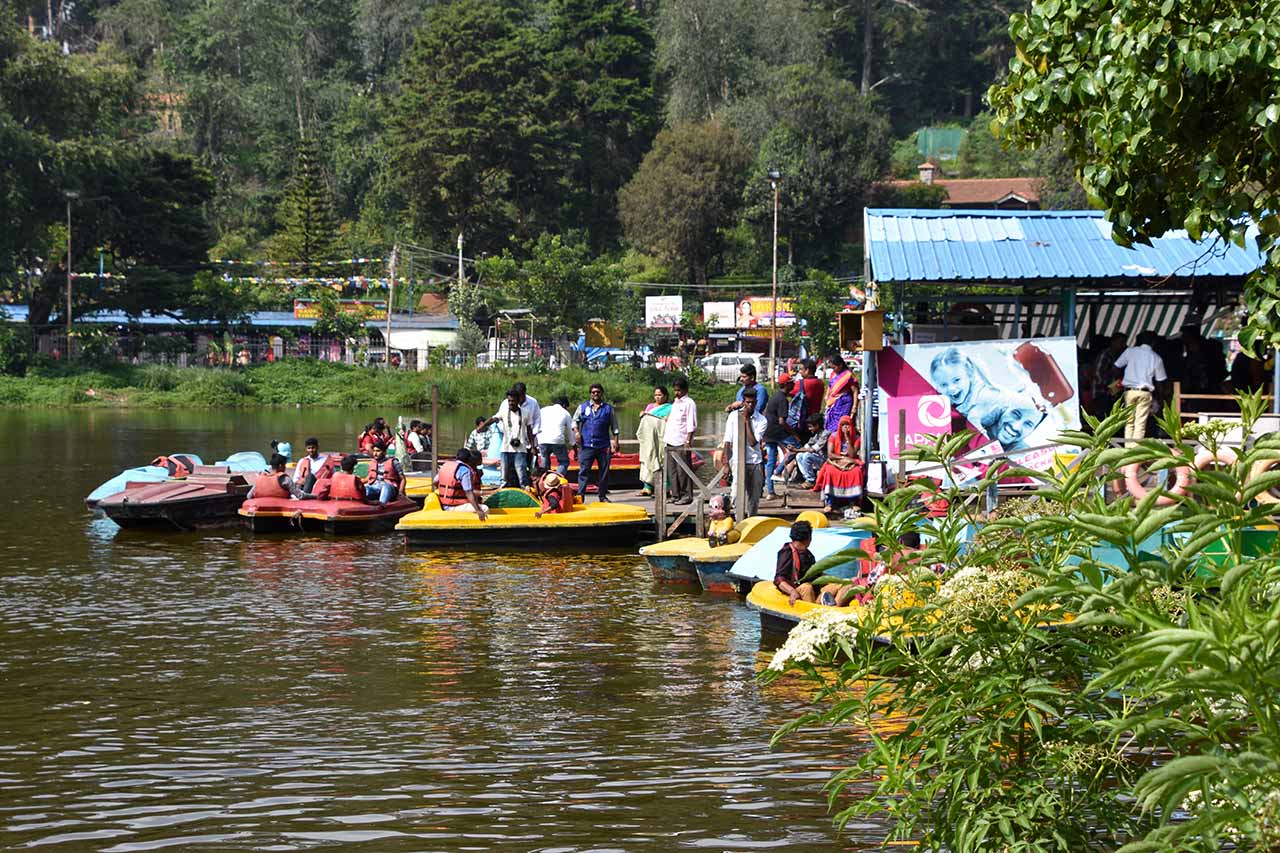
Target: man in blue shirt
595,430
747,379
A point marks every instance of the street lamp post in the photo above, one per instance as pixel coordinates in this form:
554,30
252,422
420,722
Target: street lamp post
775,181
71,196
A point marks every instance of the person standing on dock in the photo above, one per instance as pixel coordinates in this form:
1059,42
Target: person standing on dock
682,425
595,427
518,434
555,436
1143,368
749,445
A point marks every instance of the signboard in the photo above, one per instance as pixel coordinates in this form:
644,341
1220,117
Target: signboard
1011,394
309,309
663,312
753,315
718,315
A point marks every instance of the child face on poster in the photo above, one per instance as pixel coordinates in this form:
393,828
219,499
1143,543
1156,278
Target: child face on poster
954,376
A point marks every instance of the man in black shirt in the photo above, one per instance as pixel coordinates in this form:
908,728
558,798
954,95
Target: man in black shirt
794,561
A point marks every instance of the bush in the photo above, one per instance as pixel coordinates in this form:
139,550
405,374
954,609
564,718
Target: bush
993,733
15,349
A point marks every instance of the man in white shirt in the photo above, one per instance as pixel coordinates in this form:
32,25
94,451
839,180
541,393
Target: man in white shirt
1143,368
555,435
750,446
682,425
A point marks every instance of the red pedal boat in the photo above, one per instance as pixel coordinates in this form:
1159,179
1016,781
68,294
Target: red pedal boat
266,515
208,497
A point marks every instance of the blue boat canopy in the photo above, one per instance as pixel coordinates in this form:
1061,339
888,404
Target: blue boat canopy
1030,247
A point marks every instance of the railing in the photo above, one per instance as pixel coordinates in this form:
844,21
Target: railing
673,458
1179,397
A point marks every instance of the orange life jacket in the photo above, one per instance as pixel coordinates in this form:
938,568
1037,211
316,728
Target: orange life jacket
178,466
448,489
320,467
346,487
387,469
268,486
566,493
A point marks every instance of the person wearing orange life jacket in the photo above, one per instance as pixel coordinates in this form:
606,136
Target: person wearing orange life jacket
276,483
554,493
457,485
345,485
312,466
386,476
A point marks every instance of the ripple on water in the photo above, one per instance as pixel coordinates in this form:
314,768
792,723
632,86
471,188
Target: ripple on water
225,691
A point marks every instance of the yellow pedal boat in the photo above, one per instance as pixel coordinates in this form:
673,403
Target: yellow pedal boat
673,561
511,521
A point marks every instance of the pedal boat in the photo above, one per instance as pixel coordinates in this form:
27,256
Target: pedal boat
511,521
778,616
173,466
676,561
274,515
208,497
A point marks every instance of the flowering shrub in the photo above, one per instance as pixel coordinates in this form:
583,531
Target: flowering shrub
1092,673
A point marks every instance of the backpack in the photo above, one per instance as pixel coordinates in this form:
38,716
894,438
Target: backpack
795,412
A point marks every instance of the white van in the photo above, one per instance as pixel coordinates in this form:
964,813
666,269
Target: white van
725,366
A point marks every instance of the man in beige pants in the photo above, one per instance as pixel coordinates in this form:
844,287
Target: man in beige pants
1143,368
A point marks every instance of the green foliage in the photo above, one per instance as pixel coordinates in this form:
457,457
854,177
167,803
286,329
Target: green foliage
15,349
817,302
472,135
309,225
984,155
1169,112
830,144
915,194
685,193
336,323
559,282
991,731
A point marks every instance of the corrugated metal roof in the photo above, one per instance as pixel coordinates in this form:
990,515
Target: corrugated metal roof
1030,246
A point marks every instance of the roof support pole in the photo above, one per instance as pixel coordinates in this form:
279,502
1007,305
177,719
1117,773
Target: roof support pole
1069,313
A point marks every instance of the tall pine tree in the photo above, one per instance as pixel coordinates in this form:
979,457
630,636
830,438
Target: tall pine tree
309,226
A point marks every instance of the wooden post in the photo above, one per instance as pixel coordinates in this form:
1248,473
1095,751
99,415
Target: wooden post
700,518
740,468
1177,398
660,494
902,447
435,434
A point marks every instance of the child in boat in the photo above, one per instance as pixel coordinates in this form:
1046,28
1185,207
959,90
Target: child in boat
720,531
553,492
794,561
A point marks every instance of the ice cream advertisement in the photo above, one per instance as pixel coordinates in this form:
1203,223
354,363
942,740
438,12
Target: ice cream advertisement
1011,394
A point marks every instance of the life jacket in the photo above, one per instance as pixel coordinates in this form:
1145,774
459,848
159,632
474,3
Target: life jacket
320,467
386,471
566,494
345,487
448,489
366,442
178,465
268,486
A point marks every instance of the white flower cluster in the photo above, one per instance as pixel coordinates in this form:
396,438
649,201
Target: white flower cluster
812,634
978,592
1233,707
1264,826
955,585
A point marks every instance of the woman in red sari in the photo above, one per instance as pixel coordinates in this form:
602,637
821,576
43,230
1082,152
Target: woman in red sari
841,477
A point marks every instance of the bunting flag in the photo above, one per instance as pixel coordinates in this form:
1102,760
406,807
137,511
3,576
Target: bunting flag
333,263
115,275
358,282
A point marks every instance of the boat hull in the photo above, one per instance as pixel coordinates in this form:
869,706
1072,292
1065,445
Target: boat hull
199,514
334,517
587,537
673,569
514,520
714,576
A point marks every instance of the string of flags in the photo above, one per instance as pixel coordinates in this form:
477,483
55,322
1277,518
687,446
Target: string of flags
358,282
333,263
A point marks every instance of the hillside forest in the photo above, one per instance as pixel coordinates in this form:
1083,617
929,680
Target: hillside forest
192,142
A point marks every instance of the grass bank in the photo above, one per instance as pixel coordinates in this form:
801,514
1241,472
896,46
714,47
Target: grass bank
314,383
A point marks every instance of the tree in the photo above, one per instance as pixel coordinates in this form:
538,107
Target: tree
716,52
309,225
599,55
470,133
559,282
1169,112
687,189
831,144
817,303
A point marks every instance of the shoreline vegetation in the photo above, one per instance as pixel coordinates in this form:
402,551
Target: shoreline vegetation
317,383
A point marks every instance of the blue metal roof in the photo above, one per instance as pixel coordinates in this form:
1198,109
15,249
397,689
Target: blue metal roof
1032,246
262,319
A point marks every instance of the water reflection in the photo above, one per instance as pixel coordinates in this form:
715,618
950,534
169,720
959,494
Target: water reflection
225,691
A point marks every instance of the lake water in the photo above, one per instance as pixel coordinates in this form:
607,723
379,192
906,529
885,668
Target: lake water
226,691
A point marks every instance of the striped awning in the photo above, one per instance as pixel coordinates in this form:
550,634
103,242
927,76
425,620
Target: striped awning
1129,315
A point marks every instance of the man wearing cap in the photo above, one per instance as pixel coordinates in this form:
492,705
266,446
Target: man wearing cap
777,433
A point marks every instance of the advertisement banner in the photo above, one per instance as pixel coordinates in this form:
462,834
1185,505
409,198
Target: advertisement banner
718,315
753,315
663,312
309,309
1011,394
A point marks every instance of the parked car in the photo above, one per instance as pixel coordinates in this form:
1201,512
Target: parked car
377,356
610,357
725,366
